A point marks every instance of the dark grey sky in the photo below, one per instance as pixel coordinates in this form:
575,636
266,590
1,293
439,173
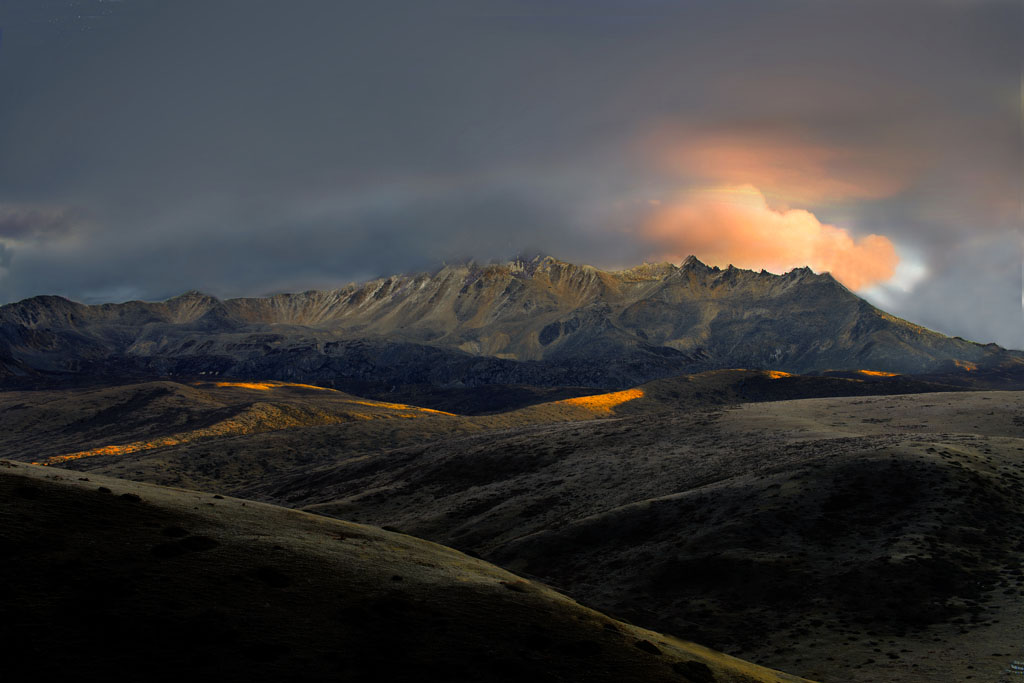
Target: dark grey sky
244,147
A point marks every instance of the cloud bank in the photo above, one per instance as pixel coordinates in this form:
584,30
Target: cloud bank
25,222
237,148
783,161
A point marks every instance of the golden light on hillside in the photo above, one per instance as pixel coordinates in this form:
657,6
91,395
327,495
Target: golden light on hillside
267,386
966,365
113,450
777,374
259,418
400,407
878,373
603,404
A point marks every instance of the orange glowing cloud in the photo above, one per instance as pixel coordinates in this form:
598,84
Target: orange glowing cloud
787,165
734,225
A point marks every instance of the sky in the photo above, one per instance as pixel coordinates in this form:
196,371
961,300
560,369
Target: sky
247,147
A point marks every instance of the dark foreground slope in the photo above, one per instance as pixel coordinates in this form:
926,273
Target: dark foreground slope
539,323
104,579
854,538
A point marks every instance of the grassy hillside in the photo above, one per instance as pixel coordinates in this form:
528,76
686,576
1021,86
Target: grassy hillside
114,580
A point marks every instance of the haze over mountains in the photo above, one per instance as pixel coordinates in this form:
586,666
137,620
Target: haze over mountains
539,322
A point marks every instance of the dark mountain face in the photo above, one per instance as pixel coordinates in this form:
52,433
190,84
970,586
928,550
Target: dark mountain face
539,322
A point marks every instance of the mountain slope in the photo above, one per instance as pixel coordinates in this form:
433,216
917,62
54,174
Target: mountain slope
539,322
190,586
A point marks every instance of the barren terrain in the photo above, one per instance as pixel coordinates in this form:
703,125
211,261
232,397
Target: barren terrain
115,580
851,538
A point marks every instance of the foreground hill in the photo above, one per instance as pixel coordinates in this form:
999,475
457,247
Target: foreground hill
854,538
114,580
542,322
846,539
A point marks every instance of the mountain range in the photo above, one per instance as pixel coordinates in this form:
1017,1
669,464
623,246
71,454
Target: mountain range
765,464
540,322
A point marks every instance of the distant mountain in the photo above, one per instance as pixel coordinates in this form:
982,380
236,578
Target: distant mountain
540,322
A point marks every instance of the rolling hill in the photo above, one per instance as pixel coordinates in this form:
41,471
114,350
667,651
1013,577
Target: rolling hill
843,537
115,580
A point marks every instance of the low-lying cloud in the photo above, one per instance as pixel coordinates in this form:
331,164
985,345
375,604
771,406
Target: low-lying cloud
734,225
23,221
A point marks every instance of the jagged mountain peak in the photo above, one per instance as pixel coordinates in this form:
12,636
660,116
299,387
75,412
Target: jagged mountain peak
577,324
192,295
191,306
532,256
649,271
692,263
40,311
528,264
